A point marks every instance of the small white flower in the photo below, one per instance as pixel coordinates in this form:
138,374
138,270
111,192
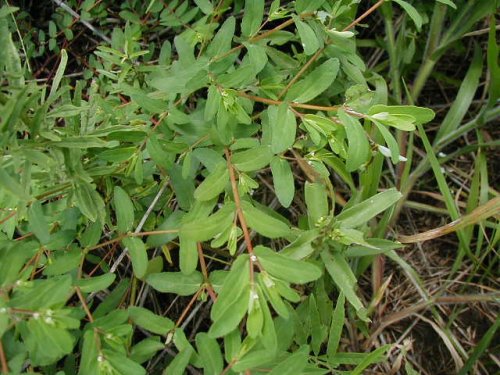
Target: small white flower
384,151
268,282
170,337
381,116
36,316
253,258
100,358
322,15
48,320
254,295
441,155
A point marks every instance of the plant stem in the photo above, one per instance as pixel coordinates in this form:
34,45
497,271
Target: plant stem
204,271
3,360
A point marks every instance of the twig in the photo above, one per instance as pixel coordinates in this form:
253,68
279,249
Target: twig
292,104
84,304
239,212
3,360
204,271
87,24
13,213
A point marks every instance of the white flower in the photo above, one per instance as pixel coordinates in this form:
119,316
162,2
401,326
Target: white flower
384,151
381,116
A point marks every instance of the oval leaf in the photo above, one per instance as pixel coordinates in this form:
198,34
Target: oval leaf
284,268
283,181
175,282
214,184
124,210
252,159
138,255
315,82
150,321
263,223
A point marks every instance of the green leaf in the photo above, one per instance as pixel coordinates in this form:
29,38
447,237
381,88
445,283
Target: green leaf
344,278
117,155
466,93
12,186
302,246
252,159
231,315
122,364
150,321
210,354
358,152
43,294
390,141
213,102
232,301
284,268
412,12
283,181
252,17
315,82
59,74
63,262
232,345
180,362
373,357
447,2
222,41
82,142
361,213
207,228
302,6
45,342
293,364
283,127
213,184
268,286
38,223
172,222
88,362
316,202
255,319
336,327
205,6
176,282
138,255
124,210
420,114
309,40
95,284
89,201
263,223
145,350
253,359
188,253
